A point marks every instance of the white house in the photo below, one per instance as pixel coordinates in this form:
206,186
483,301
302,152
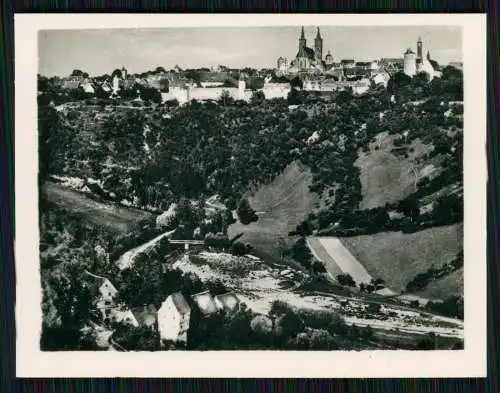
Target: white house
104,293
173,318
227,301
205,302
126,317
87,87
165,219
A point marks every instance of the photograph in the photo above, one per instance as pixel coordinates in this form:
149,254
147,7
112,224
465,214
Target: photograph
279,188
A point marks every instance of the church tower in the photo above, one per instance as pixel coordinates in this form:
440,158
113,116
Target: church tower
318,46
302,41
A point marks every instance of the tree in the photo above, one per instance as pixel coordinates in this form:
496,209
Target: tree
218,240
289,325
77,72
410,207
245,212
238,248
398,80
316,339
296,83
172,103
140,338
257,98
225,98
346,279
101,93
318,267
301,252
448,208
150,94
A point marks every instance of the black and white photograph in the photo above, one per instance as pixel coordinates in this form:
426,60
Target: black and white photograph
292,187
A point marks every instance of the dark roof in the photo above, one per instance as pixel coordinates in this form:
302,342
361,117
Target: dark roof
306,52
71,84
180,303
434,64
94,283
409,52
392,60
346,61
145,316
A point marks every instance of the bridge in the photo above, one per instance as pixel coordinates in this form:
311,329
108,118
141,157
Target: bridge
187,243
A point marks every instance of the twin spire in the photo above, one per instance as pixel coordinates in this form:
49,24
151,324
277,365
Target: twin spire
303,36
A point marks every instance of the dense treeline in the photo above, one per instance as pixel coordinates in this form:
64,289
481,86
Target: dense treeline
155,155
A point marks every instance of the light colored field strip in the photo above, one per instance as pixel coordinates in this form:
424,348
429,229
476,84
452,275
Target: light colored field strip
344,259
322,255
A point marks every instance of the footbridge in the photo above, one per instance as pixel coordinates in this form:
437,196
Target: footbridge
187,243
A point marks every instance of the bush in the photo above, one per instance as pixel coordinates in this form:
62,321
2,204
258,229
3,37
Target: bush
245,212
346,279
238,248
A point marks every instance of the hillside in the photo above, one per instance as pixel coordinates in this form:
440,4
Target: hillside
281,205
397,257
387,177
108,215
451,285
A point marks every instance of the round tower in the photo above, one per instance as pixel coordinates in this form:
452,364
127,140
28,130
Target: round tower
410,63
329,58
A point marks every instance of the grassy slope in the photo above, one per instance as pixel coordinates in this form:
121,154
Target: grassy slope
450,285
386,177
284,203
112,216
397,257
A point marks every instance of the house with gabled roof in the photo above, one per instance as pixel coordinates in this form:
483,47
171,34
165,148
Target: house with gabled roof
173,318
145,316
205,302
227,301
103,292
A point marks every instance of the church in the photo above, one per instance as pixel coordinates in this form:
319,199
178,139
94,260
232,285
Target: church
307,59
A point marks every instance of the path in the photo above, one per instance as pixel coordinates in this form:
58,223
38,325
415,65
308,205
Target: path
127,259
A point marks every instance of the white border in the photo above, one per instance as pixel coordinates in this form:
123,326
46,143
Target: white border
31,362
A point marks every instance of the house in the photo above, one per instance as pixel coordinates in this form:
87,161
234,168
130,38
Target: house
104,294
166,218
227,301
87,86
205,302
125,317
173,318
146,316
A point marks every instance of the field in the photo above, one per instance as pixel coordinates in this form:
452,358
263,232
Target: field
397,257
281,205
450,285
386,177
109,215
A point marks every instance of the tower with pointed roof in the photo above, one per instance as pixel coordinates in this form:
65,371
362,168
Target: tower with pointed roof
318,46
302,39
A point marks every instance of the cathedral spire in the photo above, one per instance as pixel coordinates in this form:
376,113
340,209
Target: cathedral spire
302,35
318,34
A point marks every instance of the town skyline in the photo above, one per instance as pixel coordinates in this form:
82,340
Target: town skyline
99,52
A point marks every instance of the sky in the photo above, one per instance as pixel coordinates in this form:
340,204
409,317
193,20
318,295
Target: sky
101,51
